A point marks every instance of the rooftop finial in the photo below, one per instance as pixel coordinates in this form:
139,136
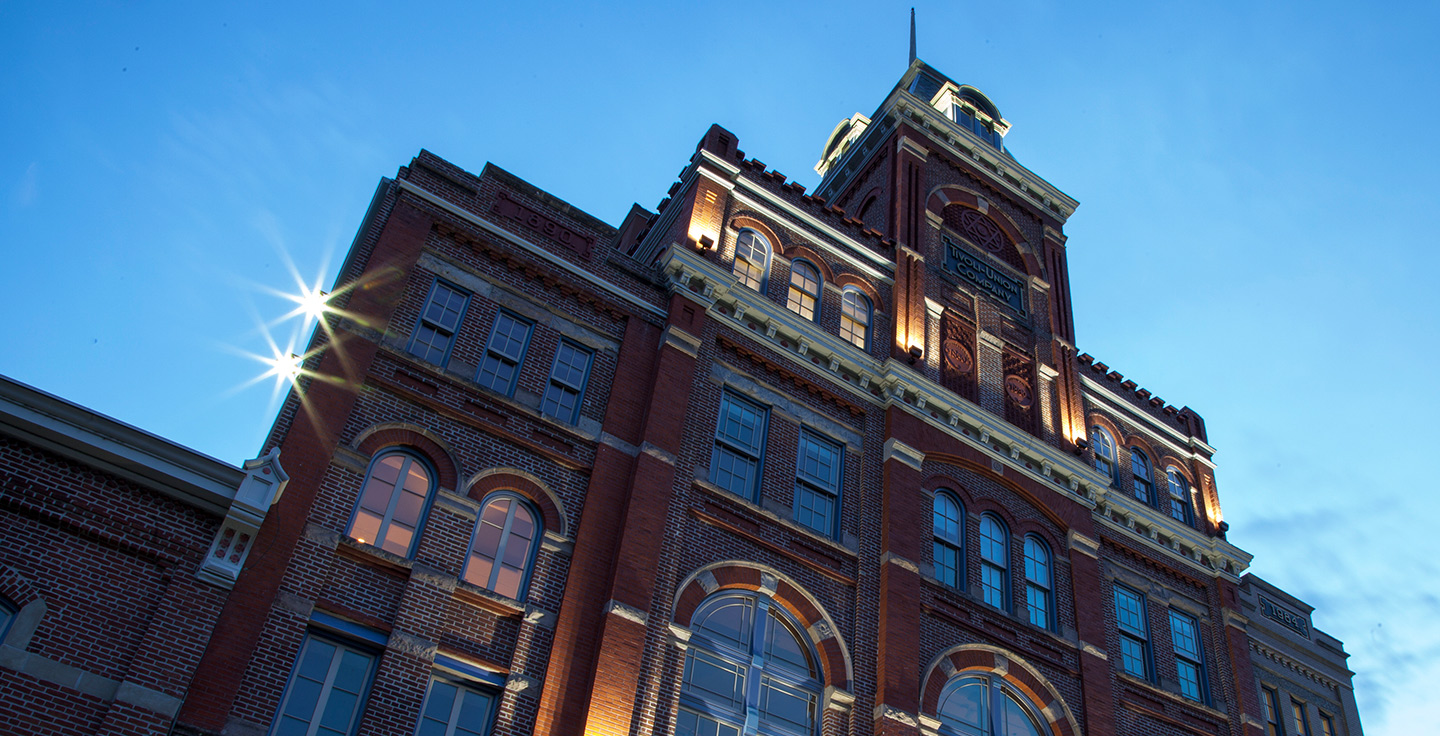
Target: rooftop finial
912,35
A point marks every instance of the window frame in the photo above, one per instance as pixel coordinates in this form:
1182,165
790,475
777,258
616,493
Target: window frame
1100,437
518,502
579,390
1300,716
852,295
341,645
762,279
754,667
806,486
491,350
1044,590
996,690
1327,723
1142,482
424,321
411,457
1180,502
724,444
1001,568
463,686
957,544
796,295
1139,636
1195,658
1274,724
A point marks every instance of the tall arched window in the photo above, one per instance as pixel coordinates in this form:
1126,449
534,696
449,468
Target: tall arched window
1037,582
502,550
1179,495
392,502
752,259
949,540
985,705
748,671
1104,450
994,562
855,317
804,289
1140,472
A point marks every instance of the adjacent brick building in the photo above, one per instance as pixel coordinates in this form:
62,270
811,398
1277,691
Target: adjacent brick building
757,461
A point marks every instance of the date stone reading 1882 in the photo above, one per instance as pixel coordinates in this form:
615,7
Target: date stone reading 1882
992,280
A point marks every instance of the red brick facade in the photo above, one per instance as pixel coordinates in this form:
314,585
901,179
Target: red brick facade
734,453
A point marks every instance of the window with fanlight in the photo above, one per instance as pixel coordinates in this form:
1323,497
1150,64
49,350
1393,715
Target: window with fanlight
502,550
752,259
1104,450
804,295
748,670
392,502
855,315
1179,495
984,704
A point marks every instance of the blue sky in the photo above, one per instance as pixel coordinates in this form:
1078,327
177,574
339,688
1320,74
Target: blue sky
1251,240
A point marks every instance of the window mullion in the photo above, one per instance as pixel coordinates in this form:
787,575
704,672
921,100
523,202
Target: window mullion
504,542
325,689
455,712
394,500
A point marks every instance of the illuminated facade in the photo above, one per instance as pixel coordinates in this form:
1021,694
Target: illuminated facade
759,461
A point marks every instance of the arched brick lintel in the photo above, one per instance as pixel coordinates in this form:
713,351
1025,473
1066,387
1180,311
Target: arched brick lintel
384,436
834,655
510,479
1018,673
851,280
949,194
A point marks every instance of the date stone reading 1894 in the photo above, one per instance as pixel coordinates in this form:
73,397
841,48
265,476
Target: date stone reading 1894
974,269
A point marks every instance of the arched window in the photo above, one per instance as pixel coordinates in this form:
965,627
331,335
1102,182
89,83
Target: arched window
985,705
1179,495
1140,470
752,259
502,550
804,289
855,317
1104,450
1037,582
748,671
392,502
949,540
994,562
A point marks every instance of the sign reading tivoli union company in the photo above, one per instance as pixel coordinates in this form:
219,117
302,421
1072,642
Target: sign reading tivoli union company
992,280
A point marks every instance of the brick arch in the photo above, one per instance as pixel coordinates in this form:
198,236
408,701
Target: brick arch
1114,429
871,197
1170,461
533,489
1019,490
1135,440
810,256
834,655
1048,705
16,587
850,279
949,194
742,222
396,434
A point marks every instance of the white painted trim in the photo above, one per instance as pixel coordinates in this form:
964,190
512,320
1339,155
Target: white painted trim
873,271
1196,446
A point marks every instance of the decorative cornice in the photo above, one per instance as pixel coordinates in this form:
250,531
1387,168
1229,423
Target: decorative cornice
897,450
1292,664
629,613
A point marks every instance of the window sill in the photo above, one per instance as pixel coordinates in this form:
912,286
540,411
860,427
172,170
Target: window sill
481,598
1013,619
1154,689
368,554
811,535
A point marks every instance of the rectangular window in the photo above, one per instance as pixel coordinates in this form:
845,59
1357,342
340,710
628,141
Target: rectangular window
817,483
1302,720
439,321
1189,666
1327,724
504,354
454,708
326,692
1131,619
1273,726
739,438
567,383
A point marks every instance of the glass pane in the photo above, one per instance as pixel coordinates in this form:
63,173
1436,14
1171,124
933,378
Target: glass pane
478,571
354,668
340,711
962,706
408,508
366,527
1037,563
417,479
388,469
496,512
315,661
304,695
524,524
728,622
1015,721
782,646
992,541
517,551
441,700
397,539
787,706
507,581
474,716
376,496
288,726
487,540
712,678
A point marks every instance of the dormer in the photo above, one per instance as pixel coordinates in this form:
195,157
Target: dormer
846,132
963,105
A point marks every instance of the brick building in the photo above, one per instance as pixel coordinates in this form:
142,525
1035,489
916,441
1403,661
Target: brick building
117,548
758,461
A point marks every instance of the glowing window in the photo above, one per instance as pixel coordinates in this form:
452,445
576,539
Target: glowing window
1179,495
1104,451
752,259
392,503
855,317
502,551
804,289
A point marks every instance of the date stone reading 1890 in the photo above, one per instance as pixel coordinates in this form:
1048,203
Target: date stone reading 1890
974,269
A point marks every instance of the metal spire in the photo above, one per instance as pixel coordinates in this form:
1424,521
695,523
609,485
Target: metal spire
912,35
